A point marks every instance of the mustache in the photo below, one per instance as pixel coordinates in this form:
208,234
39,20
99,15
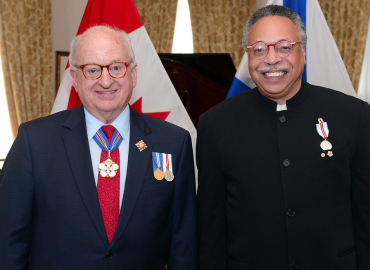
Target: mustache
274,67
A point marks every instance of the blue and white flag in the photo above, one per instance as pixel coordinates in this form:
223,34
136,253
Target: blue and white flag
324,66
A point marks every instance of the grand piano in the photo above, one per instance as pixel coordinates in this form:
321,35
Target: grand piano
201,80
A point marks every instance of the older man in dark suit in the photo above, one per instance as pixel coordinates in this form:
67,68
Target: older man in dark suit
276,189
100,186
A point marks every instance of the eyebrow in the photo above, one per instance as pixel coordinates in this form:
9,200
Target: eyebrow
94,63
271,42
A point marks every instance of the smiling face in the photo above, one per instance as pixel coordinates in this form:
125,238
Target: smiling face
106,97
276,77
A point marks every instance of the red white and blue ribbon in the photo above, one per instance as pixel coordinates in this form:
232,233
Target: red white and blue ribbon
157,161
103,143
167,159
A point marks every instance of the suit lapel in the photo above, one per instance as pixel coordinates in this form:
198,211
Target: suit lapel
78,153
136,169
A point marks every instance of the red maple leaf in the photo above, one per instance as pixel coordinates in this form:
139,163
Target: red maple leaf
137,106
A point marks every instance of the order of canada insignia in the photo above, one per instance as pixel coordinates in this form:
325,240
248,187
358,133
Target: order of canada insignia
108,168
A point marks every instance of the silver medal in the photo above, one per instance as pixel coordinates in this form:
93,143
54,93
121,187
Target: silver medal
325,145
168,175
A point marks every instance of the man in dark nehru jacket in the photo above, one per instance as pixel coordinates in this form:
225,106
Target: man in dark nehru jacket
99,187
277,191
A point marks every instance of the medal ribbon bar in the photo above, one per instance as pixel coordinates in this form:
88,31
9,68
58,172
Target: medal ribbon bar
168,162
322,129
157,161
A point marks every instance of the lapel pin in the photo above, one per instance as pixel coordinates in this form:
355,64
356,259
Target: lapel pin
141,145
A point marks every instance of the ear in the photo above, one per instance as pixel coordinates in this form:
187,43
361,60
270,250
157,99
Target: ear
304,55
134,74
74,78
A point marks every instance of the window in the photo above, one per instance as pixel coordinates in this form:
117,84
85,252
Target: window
183,37
5,130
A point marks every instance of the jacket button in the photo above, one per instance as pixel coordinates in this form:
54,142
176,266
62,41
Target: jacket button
282,119
291,213
109,255
295,265
286,162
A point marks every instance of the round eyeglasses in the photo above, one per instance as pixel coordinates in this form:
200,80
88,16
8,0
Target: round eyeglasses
93,71
283,48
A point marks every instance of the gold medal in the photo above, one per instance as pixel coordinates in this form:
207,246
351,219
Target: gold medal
157,163
168,175
108,168
158,174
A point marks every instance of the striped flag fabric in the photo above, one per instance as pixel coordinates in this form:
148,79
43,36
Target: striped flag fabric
324,66
154,94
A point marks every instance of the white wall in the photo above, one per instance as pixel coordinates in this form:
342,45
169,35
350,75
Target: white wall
66,18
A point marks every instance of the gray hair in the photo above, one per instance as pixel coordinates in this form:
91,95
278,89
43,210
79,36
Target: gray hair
275,10
125,38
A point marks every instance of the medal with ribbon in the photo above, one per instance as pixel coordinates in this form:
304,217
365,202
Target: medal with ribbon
158,166
168,174
108,168
323,130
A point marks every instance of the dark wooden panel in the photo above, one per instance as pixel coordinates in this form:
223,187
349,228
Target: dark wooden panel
218,67
197,92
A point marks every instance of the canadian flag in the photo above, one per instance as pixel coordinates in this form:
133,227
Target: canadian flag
154,93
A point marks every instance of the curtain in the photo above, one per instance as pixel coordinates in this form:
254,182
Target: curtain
218,25
348,22
159,17
26,56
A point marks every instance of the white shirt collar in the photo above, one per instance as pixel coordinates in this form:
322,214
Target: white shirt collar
281,107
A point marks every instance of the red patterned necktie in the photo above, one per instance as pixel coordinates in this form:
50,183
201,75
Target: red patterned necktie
108,189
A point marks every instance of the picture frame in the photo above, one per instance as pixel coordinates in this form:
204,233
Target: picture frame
61,60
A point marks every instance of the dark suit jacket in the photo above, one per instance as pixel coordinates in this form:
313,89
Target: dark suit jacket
49,208
268,199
